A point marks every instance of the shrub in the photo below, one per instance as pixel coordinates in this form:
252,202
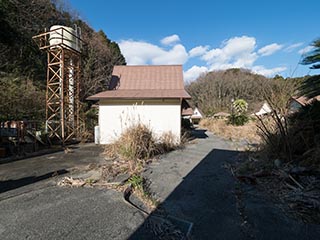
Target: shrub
238,116
240,106
238,120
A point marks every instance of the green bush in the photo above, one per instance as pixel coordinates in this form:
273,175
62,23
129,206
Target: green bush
238,120
238,116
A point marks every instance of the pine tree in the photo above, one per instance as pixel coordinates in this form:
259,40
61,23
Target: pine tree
311,86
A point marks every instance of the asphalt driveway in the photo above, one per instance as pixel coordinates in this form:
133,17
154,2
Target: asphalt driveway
193,184
196,185
32,173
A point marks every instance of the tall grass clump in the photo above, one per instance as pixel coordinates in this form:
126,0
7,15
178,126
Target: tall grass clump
138,143
167,142
276,129
294,138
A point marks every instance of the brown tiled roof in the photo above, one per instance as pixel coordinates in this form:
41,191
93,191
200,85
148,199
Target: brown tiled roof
187,112
302,100
164,81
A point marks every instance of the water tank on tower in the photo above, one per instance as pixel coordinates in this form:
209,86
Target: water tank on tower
65,36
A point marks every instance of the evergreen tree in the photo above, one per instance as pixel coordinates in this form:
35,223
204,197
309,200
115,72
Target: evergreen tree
311,86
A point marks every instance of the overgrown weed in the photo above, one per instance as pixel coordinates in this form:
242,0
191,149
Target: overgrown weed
137,144
142,191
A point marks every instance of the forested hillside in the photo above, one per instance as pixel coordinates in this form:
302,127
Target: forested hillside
23,65
215,91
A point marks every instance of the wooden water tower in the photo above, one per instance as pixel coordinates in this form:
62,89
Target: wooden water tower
63,47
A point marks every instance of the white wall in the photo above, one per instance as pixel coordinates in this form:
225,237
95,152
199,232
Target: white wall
161,116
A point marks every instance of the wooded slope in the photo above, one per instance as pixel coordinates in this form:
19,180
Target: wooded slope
23,65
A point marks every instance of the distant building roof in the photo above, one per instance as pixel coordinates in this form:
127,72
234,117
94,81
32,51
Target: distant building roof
162,81
186,108
303,100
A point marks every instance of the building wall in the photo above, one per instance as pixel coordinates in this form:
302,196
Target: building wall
161,115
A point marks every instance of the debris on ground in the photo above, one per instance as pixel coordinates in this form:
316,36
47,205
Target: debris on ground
71,182
112,169
296,189
68,150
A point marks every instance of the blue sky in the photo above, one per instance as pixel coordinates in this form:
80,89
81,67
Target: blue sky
267,37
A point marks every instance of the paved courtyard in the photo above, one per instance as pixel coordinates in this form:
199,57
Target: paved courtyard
194,184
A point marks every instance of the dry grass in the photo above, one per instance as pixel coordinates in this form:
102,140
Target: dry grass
287,164
220,127
167,142
137,144
86,136
293,138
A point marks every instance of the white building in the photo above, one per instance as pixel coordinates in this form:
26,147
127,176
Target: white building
151,95
196,116
264,110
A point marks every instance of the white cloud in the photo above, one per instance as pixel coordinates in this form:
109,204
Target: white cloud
140,53
306,50
170,39
194,72
268,72
176,55
239,46
291,47
269,49
237,52
198,51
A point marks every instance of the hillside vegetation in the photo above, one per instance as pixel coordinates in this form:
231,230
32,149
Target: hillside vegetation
23,65
216,90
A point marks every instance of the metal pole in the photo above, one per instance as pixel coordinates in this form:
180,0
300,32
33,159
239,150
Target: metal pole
62,112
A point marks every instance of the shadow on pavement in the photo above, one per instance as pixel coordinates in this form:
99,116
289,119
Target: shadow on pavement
199,133
204,198
29,155
13,184
218,207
